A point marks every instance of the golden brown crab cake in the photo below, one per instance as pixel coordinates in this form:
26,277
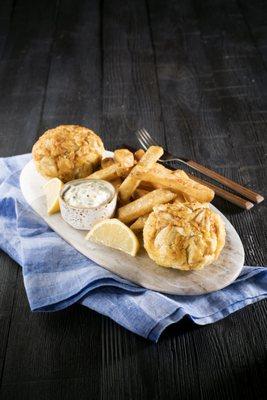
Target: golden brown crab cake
67,152
185,236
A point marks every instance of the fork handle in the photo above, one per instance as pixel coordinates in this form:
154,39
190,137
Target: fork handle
249,194
238,201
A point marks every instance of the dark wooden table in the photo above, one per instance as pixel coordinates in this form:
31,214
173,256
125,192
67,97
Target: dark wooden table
194,74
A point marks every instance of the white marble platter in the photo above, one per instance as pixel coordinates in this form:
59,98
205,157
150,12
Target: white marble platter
140,269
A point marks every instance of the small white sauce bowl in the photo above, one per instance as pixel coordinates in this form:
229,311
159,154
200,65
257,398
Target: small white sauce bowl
85,217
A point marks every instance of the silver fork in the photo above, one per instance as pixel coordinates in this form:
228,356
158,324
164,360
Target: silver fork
146,140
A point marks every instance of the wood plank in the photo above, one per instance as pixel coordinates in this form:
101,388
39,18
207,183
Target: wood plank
64,345
237,68
73,94
130,101
193,108
197,123
6,12
171,379
23,71
52,346
8,283
254,15
130,94
227,368
9,269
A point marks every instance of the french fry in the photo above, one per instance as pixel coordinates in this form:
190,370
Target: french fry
124,157
108,174
189,199
147,186
106,162
116,183
180,173
139,192
123,171
139,224
144,205
139,154
161,169
178,184
180,198
129,185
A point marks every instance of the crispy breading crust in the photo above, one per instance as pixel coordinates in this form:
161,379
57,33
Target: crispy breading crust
67,152
184,236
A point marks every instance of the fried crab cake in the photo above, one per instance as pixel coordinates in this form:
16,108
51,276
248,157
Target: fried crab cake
184,236
67,152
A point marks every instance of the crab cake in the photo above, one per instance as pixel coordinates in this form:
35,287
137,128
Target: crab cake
67,152
184,236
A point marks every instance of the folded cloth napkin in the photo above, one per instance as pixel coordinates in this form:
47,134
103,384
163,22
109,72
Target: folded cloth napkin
56,275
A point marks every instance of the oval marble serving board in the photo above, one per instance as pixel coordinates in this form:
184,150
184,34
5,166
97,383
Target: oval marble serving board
140,269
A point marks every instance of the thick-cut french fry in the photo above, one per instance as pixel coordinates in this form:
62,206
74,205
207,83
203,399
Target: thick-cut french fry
180,198
123,172
147,186
147,161
116,183
108,174
144,205
139,224
106,162
139,154
161,169
178,184
183,197
189,199
181,174
139,192
124,157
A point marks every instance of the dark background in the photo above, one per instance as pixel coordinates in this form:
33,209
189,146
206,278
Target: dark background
194,74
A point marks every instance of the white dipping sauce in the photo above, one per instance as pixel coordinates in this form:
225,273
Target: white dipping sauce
93,193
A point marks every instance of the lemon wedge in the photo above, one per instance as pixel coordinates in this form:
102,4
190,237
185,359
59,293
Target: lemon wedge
52,189
114,233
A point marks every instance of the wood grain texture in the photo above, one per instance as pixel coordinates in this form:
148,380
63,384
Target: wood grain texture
69,40
6,13
238,70
23,73
74,85
9,269
22,87
130,95
194,74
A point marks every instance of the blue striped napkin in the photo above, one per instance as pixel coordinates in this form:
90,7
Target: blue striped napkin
56,275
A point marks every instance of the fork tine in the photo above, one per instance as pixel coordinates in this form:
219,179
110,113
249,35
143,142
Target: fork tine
142,142
148,144
142,139
149,138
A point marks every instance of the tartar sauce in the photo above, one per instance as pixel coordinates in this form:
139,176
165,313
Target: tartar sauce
91,193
